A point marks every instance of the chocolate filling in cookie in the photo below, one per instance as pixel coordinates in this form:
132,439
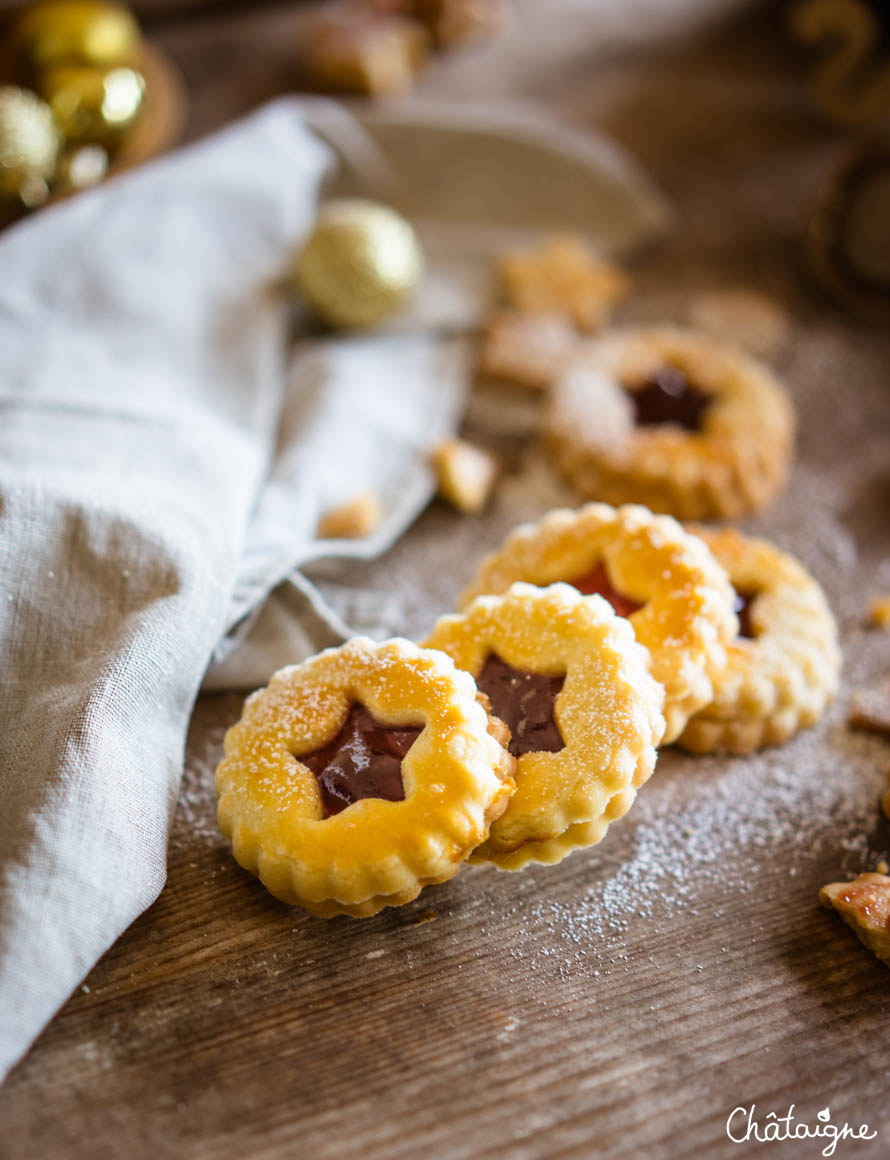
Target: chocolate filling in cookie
597,582
667,396
525,701
364,760
743,602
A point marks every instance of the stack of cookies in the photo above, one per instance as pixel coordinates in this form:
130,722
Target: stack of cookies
527,720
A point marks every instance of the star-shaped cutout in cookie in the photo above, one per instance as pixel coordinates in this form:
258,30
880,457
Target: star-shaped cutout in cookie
526,702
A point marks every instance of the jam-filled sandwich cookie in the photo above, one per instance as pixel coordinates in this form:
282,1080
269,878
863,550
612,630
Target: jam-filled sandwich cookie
673,420
783,668
572,684
664,580
360,776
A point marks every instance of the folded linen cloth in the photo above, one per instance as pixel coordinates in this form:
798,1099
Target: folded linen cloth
143,355
157,481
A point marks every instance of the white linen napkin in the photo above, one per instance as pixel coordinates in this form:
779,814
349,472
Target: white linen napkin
142,409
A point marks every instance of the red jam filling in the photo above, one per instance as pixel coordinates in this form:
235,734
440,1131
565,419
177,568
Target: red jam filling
525,701
364,760
743,602
669,397
597,581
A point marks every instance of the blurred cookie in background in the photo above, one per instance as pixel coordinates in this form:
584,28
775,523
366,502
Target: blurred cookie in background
376,48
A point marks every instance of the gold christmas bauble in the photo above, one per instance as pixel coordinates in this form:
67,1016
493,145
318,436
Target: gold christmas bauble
93,104
77,31
359,263
29,144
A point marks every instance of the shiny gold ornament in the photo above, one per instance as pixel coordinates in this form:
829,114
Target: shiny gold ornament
93,104
359,264
77,31
29,145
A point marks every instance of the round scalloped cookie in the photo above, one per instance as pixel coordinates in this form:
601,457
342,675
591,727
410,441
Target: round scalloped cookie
672,419
779,678
568,677
455,777
676,595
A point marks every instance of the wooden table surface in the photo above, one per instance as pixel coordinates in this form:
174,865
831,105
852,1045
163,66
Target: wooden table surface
621,1004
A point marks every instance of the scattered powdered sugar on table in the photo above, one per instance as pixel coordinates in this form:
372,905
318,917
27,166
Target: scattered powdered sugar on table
196,807
726,830
706,825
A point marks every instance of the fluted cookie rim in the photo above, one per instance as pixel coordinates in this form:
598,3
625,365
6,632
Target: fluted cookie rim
686,651
457,774
556,629
783,679
736,464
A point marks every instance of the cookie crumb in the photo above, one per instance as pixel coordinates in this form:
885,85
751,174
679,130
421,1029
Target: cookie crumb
465,475
357,517
879,612
562,276
870,709
745,318
526,349
864,905
428,915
